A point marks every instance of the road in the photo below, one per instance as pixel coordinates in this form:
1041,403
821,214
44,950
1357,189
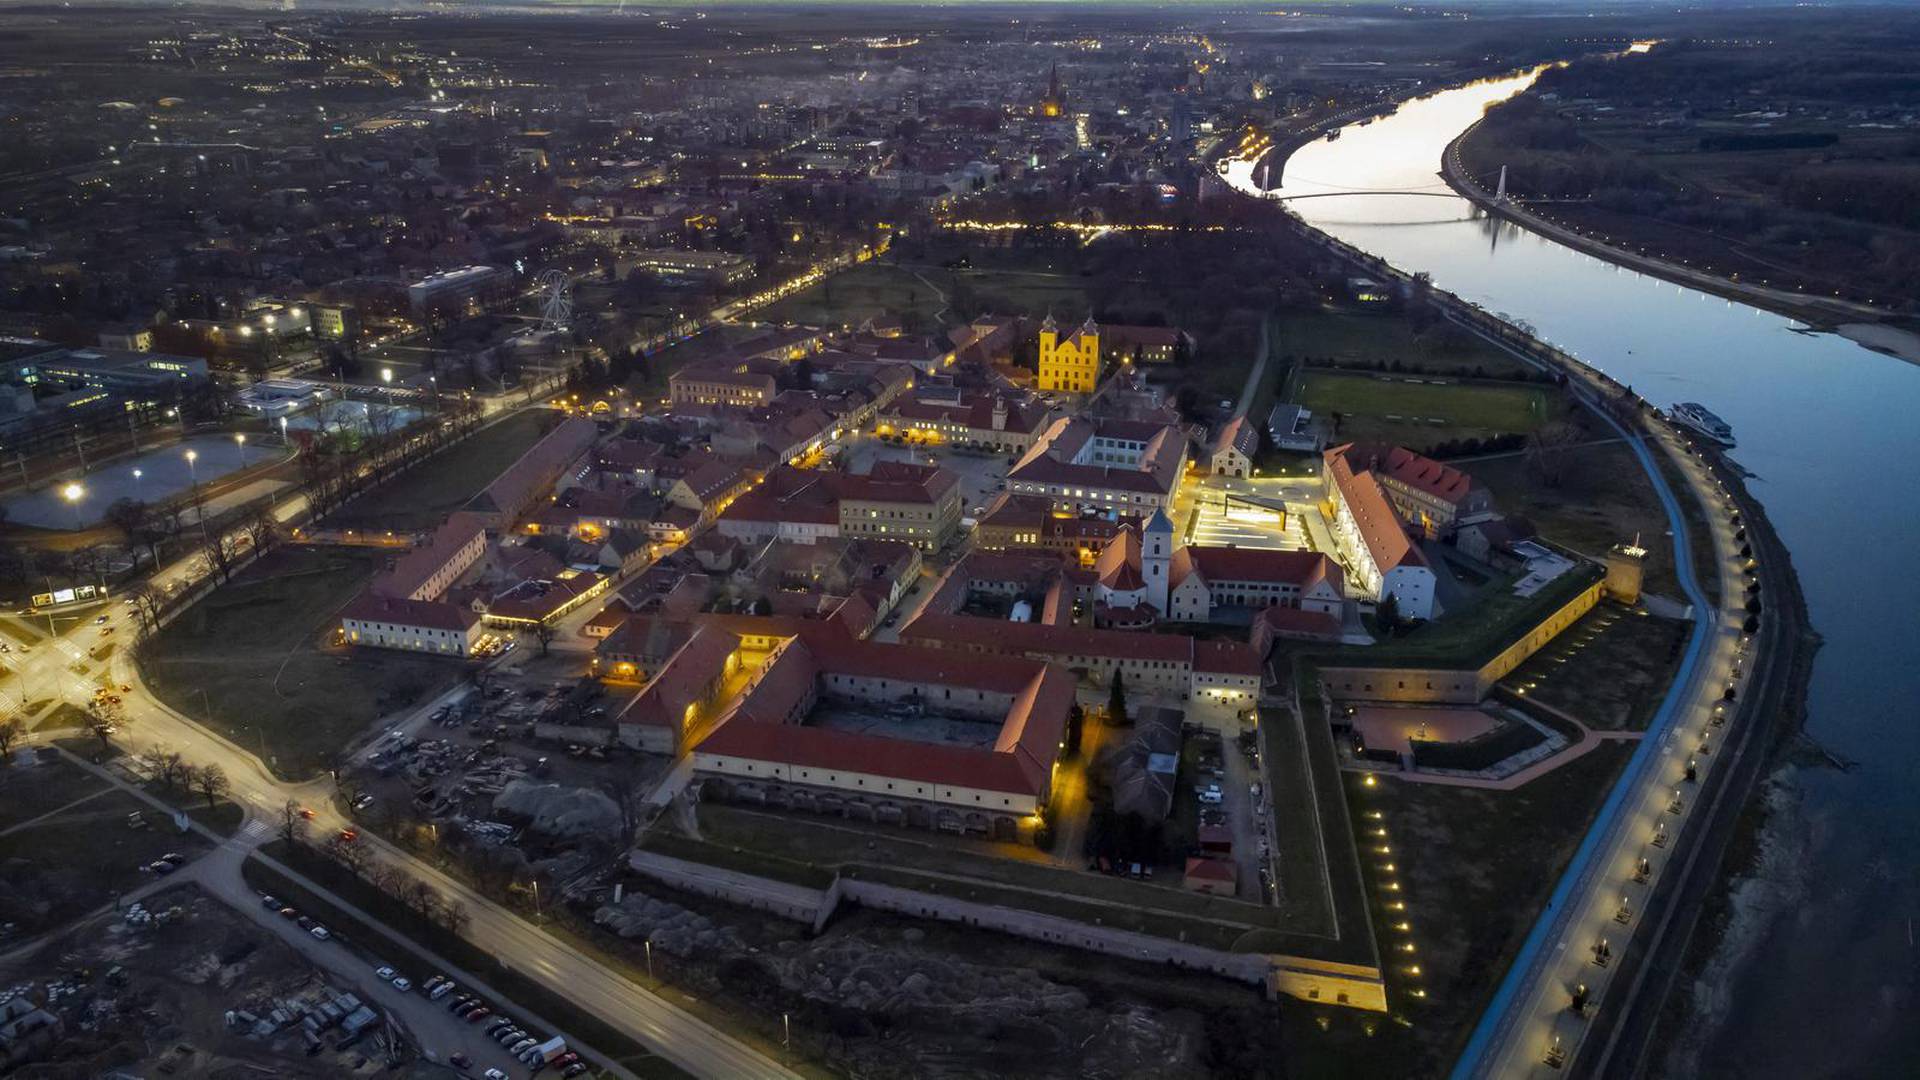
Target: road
1530,1028
61,669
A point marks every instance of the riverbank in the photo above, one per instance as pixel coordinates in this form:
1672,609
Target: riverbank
1865,325
1781,659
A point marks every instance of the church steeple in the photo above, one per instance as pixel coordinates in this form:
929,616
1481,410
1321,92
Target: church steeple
1053,104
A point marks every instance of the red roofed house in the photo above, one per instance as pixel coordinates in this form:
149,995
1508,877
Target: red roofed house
402,608
1210,875
894,734
1372,535
561,452
683,695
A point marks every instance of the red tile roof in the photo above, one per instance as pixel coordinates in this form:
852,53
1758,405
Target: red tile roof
430,614
1380,528
411,571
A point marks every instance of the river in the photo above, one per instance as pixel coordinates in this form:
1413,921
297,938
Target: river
1818,974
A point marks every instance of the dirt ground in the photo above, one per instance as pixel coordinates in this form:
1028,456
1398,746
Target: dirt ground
155,998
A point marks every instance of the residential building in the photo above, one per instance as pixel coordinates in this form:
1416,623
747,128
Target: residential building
919,504
1104,465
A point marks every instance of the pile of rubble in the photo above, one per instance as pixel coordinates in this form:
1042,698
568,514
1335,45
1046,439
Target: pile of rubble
559,811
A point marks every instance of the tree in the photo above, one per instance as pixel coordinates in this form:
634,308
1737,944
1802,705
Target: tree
1076,721
171,768
544,633
1117,701
11,729
210,781
104,717
130,516
293,827
455,917
1387,614
629,797
146,604
261,527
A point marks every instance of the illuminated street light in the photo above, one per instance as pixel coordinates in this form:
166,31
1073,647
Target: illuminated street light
73,493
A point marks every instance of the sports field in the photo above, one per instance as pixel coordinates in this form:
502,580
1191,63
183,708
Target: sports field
1418,411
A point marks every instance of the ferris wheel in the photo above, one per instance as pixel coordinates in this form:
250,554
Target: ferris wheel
556,310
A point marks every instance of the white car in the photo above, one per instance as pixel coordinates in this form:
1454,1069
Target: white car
385,974
495,1074
403,984
320,932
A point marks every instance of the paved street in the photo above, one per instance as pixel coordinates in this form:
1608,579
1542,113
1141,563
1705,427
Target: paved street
60,669
1529,1029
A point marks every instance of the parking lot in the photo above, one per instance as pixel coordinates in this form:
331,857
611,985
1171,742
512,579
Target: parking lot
1226,783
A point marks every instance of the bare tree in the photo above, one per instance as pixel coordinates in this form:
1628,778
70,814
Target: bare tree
104,717
387,878
629,797
455,917
11,730
172,769
544,633
146,604
262,529
211,782
293,826
218,556
422,899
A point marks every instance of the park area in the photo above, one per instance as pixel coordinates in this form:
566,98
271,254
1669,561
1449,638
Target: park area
1471,869
423,496
255,660
1418,411
1609,670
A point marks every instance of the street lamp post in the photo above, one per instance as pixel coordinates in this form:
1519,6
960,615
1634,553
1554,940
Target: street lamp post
240,440
73,493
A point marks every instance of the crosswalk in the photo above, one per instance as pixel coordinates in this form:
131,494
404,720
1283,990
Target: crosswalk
255,830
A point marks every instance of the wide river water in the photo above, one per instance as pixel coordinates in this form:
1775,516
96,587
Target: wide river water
1818,975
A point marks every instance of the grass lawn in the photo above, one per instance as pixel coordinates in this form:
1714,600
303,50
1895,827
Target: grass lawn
1603,497
64,715
27,791
1474,869
1609,670
425,494
913,858
1346,337
1472,635
257,648
68,865
397,923
1400,409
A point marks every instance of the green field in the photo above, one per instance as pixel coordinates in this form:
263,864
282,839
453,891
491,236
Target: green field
424,495
1337,338
258,651
1408,411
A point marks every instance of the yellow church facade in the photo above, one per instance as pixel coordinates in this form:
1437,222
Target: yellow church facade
1070,364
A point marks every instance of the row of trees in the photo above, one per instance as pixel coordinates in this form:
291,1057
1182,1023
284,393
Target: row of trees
176,773
342,460
417,896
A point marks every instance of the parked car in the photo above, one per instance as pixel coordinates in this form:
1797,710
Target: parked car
573,1070
460,1061
495,1074
403,984
385,973
320,932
